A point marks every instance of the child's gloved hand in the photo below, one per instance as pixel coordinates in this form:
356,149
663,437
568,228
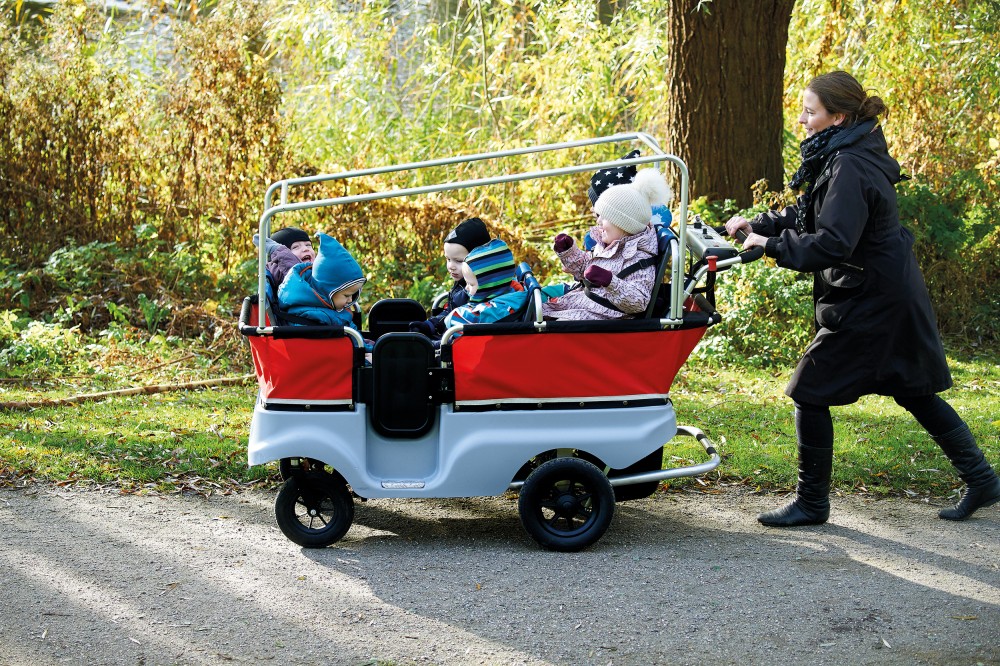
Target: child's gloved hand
562,242
424,327
269,245
597,276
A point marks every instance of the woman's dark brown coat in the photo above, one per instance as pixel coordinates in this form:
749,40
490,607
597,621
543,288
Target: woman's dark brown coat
876,330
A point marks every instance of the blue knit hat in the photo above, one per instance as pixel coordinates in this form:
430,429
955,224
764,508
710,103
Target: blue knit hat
493,266
334,268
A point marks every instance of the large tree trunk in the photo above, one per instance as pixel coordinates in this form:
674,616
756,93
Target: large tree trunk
725,67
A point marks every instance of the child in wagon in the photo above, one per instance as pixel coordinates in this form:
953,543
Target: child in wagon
286,248
324,290
468,235
494,294
616,277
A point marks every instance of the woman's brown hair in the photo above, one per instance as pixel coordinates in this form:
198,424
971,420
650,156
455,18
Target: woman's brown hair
839,92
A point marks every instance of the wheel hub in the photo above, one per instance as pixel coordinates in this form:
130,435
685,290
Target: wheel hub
567,504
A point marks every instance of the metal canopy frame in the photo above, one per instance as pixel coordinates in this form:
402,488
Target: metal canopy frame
283,186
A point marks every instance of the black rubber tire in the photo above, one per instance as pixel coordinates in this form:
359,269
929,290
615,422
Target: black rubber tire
566,504
314,510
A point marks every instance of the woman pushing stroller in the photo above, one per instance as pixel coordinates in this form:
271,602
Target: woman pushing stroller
876,330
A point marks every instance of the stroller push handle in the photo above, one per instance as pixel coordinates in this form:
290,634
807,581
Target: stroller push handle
753,254
746,256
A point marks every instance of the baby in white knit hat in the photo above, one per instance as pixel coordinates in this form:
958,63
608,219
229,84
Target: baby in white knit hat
616,277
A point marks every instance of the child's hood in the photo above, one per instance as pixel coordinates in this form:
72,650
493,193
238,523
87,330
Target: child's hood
334,268
493,266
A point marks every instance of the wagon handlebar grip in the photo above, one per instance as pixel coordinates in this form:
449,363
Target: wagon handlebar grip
746,256
753,254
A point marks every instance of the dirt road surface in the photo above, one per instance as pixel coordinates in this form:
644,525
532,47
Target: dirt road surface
683,578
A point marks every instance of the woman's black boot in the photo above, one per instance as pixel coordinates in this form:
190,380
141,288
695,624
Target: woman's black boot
812,497
982,483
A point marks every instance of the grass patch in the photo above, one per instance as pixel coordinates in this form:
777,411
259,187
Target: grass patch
189,440
195,440
192,440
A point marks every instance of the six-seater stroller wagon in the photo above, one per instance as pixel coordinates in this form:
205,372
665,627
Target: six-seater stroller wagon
525,406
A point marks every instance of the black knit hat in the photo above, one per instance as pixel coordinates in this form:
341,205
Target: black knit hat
605,178
470,234
290,235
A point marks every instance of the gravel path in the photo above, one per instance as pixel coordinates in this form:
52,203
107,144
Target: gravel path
97,578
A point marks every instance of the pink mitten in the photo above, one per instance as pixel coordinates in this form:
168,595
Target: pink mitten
562,242
597,276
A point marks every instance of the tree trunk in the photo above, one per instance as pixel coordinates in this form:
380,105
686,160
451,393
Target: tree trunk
725,68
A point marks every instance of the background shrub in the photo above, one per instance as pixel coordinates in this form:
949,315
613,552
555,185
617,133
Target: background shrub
106,138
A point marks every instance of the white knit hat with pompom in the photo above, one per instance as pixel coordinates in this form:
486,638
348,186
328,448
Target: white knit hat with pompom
630,207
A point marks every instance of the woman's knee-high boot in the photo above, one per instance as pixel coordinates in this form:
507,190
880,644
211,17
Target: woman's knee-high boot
812,497
982,483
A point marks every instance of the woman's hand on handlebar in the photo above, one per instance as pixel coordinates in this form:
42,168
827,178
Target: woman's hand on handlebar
739,227
754,240
736,223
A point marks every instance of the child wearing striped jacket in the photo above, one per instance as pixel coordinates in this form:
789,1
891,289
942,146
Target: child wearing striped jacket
494,294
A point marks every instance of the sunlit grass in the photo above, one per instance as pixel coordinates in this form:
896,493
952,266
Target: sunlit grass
185,439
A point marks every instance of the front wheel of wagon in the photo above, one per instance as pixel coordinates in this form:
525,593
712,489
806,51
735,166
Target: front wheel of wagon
566,504
314,510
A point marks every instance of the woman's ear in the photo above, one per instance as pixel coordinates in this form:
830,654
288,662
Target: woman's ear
838,118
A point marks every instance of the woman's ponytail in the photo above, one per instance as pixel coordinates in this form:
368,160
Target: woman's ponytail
872,107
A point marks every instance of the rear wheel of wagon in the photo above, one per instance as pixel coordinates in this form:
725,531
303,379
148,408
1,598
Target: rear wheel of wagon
314,510
566,504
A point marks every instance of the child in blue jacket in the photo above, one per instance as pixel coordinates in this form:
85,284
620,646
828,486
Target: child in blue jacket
324,290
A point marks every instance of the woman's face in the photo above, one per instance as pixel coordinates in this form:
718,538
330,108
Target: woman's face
454,257
814,117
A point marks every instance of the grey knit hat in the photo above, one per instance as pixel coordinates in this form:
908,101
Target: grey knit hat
625,207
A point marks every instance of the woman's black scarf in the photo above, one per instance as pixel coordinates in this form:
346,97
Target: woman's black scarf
815,150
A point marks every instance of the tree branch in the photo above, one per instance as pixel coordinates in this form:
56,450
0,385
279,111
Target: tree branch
138,390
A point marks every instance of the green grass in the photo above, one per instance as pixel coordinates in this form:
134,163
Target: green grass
195,440
177,440
187,440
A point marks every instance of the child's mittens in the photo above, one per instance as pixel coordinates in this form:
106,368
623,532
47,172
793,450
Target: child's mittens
597,276
269,244
562,242
424,327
